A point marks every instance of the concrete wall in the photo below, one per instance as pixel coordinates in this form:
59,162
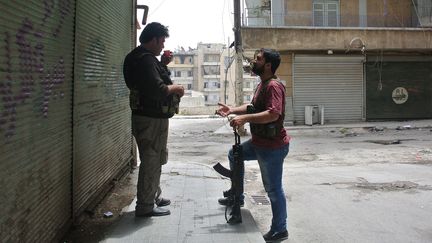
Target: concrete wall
349,11
201,110
187,101
298,13
284,72
336,38
391,13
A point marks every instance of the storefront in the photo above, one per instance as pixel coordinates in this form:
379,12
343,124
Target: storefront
334,82
398,87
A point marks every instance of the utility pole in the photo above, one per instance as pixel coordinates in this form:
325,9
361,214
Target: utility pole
239,60
227,66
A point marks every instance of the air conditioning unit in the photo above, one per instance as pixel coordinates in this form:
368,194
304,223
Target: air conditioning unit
314,114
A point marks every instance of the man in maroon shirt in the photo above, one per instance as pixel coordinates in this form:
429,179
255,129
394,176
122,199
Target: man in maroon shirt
269,143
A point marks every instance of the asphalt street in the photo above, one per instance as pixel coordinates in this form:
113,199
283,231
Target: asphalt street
363,182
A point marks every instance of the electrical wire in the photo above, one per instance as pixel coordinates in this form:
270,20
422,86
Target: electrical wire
155,10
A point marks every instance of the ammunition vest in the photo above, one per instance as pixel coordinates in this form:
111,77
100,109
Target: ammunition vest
140,104
266,130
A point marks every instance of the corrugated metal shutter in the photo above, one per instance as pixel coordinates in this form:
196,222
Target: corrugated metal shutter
36,67
333,81
102,129
398,87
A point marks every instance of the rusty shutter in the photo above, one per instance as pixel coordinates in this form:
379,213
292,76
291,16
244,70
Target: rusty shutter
36,67
102,129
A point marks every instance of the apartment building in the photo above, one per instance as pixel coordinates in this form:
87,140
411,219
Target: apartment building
183,69
356,59
209,69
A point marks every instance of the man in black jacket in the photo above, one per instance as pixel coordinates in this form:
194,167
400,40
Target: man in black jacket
153,100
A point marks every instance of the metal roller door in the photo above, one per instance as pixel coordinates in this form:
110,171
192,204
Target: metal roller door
36,67
102,129
398,87
336,82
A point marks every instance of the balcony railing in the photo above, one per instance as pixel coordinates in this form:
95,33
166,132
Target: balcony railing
308,19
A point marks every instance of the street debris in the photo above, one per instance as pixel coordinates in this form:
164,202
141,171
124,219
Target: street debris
376,129
381,186
385,142
108,214
404,127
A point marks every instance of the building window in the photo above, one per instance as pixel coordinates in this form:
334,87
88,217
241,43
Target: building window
189,73
211,58
211,84
326,13
211,70
424,10
177,74
189,86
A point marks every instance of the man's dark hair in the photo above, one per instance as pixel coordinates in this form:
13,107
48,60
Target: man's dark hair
153,30
271,56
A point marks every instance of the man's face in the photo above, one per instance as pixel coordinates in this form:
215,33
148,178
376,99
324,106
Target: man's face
258,64
158,45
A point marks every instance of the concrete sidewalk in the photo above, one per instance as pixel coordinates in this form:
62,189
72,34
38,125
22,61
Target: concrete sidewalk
195,214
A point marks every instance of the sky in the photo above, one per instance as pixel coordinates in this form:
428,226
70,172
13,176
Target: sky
192,21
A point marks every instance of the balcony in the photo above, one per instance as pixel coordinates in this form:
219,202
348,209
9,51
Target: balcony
211,90
334,13
342,39
182,78
309,19
211,63
312,26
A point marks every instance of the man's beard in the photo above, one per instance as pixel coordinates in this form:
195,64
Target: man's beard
257,70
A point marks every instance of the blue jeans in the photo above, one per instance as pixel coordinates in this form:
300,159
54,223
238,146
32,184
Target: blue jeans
271,165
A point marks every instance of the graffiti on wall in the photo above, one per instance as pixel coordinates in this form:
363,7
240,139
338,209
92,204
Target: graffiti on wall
27,75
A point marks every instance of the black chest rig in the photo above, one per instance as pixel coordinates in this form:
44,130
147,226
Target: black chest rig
143,105
267,130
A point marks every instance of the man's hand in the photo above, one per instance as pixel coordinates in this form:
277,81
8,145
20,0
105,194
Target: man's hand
223,110
166,58
238,121
176,89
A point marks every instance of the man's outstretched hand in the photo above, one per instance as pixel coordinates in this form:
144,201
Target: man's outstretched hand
223,110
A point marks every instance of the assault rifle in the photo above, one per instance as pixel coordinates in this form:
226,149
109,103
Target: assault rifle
236,176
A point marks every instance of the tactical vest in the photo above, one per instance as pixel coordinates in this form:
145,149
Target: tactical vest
142,105
266,130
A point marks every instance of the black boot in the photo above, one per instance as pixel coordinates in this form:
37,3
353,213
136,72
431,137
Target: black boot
229,201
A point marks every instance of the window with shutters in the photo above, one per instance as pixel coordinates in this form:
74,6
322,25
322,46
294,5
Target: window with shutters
326,13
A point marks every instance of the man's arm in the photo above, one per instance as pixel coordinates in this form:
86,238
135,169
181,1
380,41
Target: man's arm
225,110
260,118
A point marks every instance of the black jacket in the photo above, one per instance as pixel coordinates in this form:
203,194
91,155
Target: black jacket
147,80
